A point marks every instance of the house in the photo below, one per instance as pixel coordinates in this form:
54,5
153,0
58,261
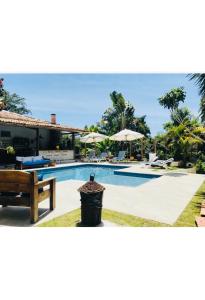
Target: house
31,136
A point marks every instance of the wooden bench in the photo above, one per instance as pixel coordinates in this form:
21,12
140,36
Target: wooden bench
19,188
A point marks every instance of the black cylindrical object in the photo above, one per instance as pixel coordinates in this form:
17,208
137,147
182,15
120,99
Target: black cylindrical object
91,202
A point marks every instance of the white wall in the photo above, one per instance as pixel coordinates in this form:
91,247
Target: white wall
58,155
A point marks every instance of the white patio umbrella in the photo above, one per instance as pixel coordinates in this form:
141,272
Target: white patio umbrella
126,135
93,137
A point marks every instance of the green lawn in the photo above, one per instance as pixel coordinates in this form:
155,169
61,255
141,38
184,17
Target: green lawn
186,219
72,218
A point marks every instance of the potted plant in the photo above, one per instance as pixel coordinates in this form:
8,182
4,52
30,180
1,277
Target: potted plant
10,154
10,150
139,157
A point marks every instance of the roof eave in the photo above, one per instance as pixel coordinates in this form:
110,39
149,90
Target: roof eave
49,126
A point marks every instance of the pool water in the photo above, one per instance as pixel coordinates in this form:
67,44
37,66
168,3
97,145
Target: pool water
103,174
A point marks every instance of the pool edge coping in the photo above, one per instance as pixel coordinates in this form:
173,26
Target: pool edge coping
127,168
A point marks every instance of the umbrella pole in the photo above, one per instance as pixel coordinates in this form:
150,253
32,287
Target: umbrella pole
130,149
142,149
155,146
127,145
85,150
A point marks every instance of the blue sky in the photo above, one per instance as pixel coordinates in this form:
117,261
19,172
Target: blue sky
80,99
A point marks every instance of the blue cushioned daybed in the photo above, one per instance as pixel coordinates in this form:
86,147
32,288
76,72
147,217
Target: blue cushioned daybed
31,162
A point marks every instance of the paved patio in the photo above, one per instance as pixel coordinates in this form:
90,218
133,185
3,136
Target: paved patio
162,199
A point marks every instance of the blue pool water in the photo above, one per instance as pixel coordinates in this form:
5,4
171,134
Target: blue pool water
103,174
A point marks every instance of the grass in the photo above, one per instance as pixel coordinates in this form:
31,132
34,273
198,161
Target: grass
186,219
67,220
72,218
129,220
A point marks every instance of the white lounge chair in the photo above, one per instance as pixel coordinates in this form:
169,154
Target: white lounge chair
152,158
91,156
162,163
120,157
102,157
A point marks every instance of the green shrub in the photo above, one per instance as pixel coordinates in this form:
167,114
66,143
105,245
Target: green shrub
200,167
10,150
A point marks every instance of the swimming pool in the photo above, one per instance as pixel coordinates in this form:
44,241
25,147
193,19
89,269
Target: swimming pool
103,174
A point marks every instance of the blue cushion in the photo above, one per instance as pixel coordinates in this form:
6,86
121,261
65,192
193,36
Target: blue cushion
28,163
40,177
41,162
37,162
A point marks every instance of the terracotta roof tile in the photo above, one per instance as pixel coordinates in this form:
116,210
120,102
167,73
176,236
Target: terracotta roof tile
11,118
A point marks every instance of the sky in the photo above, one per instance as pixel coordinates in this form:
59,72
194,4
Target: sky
81,99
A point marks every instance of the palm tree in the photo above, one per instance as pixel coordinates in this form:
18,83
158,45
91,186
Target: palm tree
120,116
200,82
202,110
199,79
182,139
91,128
120,108
180,115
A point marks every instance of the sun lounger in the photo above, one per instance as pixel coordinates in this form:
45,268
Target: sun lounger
120,157
91,156
162,163
152,158
102,157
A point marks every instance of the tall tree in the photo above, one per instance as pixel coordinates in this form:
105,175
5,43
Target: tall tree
180,115
202,110
15,103
199,79
172,99
120,116
183,132
91,128
121,108
183,138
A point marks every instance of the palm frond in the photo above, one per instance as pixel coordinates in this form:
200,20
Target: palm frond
199,79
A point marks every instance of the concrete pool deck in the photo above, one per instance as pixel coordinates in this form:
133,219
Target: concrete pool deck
161,199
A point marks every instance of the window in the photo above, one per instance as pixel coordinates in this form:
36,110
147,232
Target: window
5,133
